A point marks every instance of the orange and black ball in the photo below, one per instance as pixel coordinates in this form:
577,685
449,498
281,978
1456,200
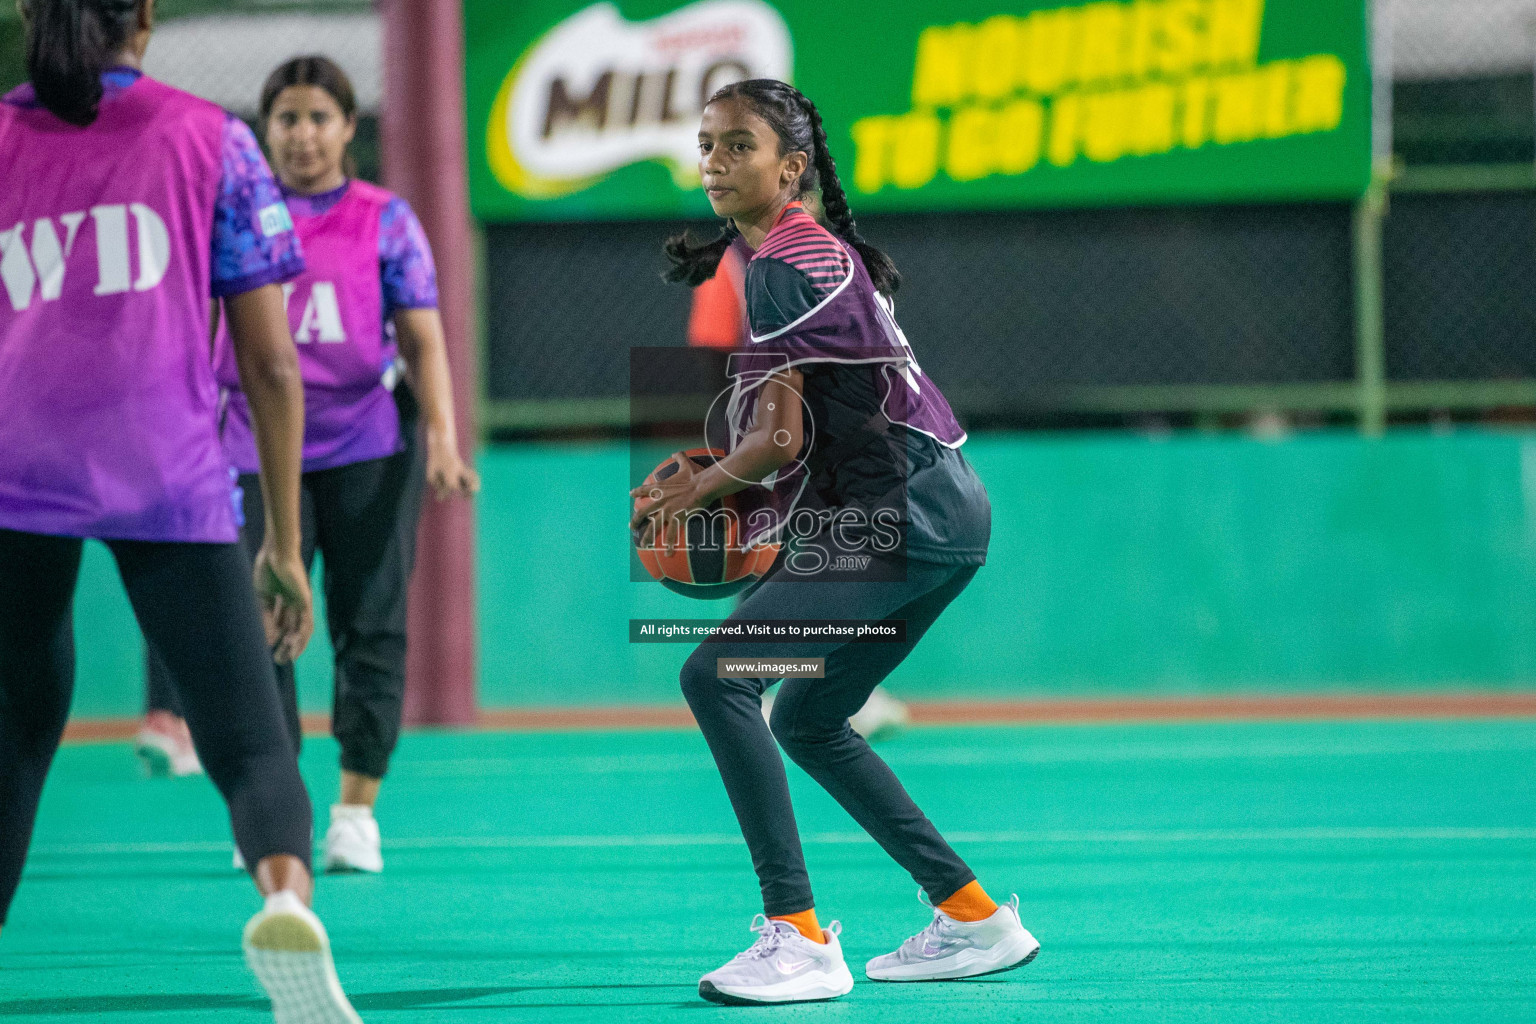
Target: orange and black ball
711,561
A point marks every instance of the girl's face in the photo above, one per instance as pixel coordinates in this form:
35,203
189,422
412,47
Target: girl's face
308,136
740,164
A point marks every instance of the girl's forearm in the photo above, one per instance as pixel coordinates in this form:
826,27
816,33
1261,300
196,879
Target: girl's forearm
426,358
769,446
754,458
269,376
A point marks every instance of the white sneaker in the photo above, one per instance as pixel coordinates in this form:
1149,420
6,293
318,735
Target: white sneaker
782,966
949,949
352,841
287,949
165,747
881,717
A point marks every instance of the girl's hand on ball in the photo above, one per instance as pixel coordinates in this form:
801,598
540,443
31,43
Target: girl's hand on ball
668,502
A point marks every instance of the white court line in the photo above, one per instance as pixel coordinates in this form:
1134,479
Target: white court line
1239,835
957,756
1199,751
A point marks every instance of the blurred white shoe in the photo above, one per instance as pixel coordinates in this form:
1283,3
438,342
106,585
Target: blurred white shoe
949,949
782,966
881,717
165,746
352,842
287,949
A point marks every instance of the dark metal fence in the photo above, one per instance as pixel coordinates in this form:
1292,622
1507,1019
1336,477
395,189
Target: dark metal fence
1032,316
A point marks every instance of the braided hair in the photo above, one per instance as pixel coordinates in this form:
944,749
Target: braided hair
797,123
69,44
694,264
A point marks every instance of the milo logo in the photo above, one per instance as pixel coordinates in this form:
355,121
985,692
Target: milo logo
597,93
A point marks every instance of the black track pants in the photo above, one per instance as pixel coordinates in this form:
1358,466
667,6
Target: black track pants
196,605
810,720
362,519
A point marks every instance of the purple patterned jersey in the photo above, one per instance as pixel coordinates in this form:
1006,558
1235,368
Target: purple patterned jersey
245,255
830,312
407,274
367,259
109,257
406,271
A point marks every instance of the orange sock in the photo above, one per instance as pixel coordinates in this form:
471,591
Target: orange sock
805,923
971,903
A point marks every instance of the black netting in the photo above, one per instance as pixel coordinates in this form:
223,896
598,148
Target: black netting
1217,295
1460,302
999,308
1481,120
566,302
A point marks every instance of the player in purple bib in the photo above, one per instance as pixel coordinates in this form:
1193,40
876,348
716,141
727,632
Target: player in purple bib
126,206
365,304
842,448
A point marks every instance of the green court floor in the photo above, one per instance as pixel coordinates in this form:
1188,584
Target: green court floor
1305,872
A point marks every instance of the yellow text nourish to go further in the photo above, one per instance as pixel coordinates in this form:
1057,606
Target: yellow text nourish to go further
1098,82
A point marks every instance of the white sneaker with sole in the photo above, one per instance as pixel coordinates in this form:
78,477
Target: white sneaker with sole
782,966
287,949
352,842
949,949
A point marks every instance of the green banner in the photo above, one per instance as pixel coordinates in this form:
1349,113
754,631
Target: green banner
591,112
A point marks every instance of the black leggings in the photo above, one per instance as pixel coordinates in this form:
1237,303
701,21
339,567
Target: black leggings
196,604
810,720
362,518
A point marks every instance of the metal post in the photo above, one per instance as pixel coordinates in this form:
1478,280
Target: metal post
1382,24
1370,337
425,162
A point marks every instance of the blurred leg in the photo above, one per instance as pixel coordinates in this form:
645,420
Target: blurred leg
37,667
159,691
196,604
366,516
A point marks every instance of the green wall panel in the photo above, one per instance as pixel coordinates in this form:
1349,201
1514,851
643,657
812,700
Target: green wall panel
1120,565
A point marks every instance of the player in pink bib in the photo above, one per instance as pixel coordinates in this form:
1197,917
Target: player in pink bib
125,206
363,311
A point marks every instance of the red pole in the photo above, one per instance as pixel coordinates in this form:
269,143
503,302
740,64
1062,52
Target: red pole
424,161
